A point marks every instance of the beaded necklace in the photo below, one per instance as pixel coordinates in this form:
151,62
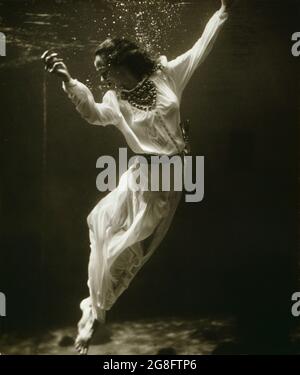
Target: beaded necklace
143,96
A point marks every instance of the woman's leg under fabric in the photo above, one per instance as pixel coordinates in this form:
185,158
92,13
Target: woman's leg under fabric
127,265
126,227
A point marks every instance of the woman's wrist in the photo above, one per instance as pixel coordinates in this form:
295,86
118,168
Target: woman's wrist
223,12
67,78
70,83
223,8
227,5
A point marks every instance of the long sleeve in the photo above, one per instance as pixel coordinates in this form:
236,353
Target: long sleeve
182,68
104,113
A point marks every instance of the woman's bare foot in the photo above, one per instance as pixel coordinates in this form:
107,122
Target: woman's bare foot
86,327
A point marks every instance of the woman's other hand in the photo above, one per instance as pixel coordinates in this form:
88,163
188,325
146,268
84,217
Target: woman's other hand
54,64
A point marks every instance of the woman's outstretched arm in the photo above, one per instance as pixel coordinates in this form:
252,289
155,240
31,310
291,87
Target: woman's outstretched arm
182,68
104,113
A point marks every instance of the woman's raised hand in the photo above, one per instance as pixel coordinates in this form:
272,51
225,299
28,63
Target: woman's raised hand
54,64
227,4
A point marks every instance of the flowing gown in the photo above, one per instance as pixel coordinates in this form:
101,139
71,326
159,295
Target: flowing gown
127,225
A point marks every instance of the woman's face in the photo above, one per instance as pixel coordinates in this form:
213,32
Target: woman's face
119,76
101,67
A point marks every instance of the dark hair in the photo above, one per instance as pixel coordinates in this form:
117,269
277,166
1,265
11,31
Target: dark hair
124,52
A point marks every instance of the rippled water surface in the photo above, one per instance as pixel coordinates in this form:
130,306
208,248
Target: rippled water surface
33,26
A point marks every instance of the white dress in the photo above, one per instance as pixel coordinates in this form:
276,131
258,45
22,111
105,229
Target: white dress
123,219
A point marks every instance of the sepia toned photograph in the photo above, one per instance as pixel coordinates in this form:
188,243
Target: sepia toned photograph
149,179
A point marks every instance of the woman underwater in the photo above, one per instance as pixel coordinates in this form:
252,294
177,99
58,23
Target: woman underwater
127,225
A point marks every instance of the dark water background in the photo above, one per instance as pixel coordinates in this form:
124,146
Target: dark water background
235,253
